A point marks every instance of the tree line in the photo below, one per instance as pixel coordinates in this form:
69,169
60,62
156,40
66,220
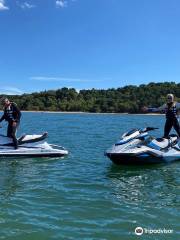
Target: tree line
128,99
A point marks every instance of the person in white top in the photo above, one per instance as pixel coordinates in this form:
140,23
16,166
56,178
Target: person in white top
171,109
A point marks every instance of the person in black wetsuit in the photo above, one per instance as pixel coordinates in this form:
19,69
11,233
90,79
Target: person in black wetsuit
171,109
12,115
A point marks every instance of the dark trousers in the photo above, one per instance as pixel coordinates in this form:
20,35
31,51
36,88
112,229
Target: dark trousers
11,132
169,124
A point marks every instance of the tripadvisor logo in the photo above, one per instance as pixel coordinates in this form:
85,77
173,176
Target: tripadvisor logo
138,231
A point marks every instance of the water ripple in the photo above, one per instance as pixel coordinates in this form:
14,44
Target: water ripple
85,196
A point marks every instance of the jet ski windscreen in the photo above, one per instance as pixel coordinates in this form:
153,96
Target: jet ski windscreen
131,132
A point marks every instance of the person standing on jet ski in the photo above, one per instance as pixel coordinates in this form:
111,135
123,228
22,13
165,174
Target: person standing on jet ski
171,109
12,115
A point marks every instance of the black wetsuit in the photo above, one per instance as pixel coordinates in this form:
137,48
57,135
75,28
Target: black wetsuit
171,120
12,114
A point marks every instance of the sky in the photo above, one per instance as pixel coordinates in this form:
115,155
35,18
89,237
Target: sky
84,44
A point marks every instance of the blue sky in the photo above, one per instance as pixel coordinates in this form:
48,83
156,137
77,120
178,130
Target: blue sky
49,44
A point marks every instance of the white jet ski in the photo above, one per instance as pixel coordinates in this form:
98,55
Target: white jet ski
30,146
137,146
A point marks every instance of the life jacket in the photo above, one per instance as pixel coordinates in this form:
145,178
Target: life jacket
10,112
171,111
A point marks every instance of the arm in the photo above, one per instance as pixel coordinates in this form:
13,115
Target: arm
159,109
18,113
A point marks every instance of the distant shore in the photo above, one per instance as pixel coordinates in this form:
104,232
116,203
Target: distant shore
59,112
149,114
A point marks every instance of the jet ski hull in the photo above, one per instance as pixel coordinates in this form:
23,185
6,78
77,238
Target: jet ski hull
32,155
132,159
52,155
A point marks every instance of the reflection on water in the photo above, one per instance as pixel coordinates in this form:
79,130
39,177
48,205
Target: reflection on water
8,179
14,174
145,185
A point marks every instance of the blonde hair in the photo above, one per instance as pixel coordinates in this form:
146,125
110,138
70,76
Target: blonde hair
170,95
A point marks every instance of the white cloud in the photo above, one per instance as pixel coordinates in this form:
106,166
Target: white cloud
10,91
26,5
61,79
61,3
3,6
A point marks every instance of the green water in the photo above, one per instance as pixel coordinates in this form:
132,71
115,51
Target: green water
85,196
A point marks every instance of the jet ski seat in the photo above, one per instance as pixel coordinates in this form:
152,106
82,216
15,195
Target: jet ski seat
32,138
160,139
5,141
160,143
163,143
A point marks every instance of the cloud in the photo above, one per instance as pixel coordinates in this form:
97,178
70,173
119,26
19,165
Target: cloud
10,91
61,3
61,79
3,6
26,5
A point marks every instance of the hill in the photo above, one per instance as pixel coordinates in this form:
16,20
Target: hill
126,99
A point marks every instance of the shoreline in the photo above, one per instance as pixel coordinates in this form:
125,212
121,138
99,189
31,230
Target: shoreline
149,114
91,113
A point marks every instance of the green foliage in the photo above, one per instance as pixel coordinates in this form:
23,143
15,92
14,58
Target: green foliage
121,100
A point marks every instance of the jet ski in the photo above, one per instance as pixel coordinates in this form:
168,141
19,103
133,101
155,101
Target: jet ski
30,146
138,147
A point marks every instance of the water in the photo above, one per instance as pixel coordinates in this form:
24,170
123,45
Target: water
85,196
